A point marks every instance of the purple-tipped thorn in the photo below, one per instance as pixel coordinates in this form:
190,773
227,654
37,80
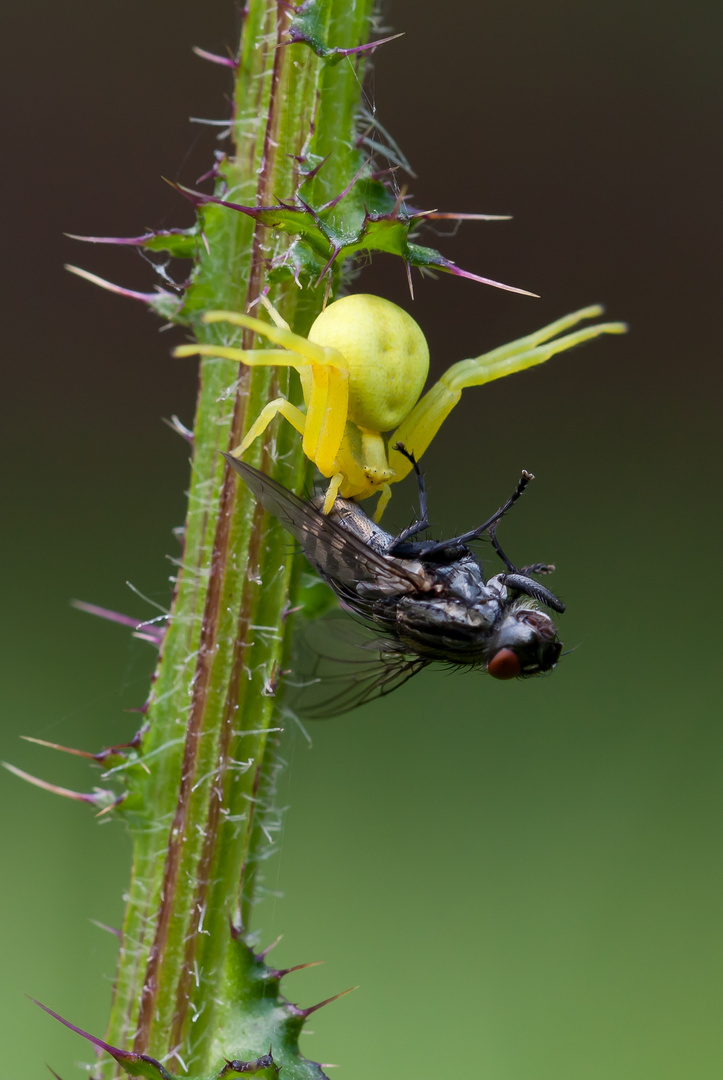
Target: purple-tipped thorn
321,1004
100,757
106,613
107,800
123,1057
296,36
452,268
131,241
224,61
437,215
410,283
369,47
265,952
313,172
280,973
52,1071
334,255
146,298
108,929
347,189
63,749
179,428
144,630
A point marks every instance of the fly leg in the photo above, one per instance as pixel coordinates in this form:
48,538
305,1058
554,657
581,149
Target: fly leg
519,580
422,522
447,550
496,545
534,568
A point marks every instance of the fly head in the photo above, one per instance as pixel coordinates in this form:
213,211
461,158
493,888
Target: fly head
526,643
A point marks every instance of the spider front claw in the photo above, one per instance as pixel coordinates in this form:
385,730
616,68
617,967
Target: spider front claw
424,421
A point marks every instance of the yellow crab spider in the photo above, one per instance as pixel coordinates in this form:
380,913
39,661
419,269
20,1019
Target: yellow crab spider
362,370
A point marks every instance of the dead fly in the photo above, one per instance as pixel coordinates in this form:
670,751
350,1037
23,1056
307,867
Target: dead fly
421,601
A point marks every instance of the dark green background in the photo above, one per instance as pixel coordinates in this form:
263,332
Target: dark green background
524,879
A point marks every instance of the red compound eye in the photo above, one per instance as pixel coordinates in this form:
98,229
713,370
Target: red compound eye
504,665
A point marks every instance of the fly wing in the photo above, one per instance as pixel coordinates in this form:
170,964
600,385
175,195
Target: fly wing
339,664
336,552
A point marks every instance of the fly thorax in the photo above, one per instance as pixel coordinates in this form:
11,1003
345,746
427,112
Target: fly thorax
461,580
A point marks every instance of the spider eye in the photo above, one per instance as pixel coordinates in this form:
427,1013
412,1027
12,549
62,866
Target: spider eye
505,664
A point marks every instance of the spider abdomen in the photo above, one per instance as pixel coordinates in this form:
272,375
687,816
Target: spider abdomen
386,354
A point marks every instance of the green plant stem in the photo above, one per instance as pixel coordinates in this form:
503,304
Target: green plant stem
193,802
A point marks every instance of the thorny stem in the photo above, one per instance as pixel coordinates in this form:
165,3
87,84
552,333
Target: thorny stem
197,815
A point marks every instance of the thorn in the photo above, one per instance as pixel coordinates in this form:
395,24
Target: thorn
296,36
123,1057
57,746
146,298
131,241
108,929
408,267
213,58
106,613
236,931
143,628
98,797
265,952
327,1001
175,425
314,172
334,254
116,802
100,757
451,268
279,973
337,199
451,216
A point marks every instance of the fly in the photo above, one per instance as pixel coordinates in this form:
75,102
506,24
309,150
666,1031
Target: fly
421,601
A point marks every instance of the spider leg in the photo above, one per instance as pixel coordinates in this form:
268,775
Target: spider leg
424,421
332,491
278,406
384,497
278,319
280,335
326,415
324,376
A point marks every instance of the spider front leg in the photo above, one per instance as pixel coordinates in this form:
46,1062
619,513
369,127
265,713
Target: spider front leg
324,378
424,421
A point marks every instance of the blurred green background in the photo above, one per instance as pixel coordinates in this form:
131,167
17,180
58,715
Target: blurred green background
525,879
